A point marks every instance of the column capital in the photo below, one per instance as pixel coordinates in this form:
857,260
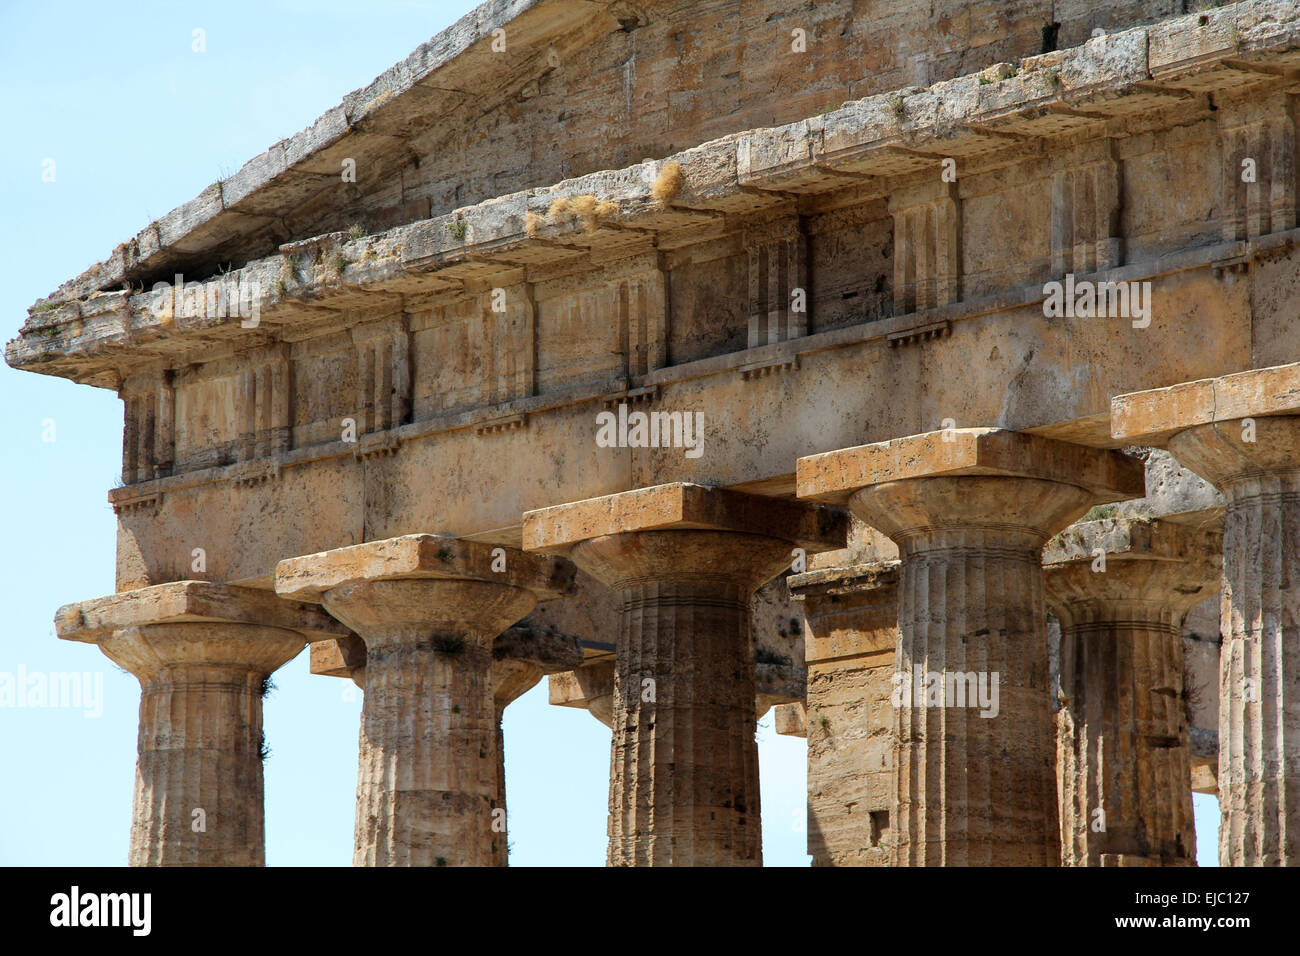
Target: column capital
427,582
532,645
836,476
589,687
181,602
338,657
839,581
638,558
202,652
1225,429
684,560
1165,567
945,489
197,623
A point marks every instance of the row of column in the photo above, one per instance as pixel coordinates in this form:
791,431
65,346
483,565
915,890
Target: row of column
1120,587
970,511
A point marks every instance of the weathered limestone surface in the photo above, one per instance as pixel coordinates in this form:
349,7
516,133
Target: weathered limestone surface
791,719
852,642
971,511
202,653
429,609
234,434
557,220
1209,428
685,562
589,687
599,69
1121,588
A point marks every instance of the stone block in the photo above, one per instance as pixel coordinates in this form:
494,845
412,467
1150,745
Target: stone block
421,556
192,601
835,476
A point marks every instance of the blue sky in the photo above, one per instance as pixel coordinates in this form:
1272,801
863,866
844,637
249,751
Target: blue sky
136,123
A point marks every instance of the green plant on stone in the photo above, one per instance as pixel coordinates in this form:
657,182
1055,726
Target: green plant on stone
1100,512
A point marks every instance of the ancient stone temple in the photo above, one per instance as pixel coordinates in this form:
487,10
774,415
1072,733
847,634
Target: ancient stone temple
926,371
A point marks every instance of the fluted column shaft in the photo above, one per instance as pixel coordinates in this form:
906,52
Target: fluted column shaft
684,761
1257,466
691,638
198,787
1125,761
429,608
427,774
1259,677
426,784
975,790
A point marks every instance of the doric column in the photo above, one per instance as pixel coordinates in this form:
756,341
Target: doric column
970,510
1242,433
428,609
521,656
1121,588
685,561
850,641
202,653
